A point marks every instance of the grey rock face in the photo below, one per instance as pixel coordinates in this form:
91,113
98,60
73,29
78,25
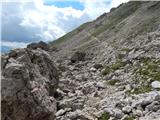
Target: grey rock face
29,81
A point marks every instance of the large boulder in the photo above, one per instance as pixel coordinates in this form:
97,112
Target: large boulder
29,82
78,56
41,44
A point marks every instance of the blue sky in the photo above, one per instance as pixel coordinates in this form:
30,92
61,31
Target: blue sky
62,4
26,21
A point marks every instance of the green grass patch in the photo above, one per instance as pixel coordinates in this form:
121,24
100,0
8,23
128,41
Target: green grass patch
129,118
105,116
69,35
145,60
83,26
112,82
144,27
111,68
146,71
126,50
87,44
149,68
64,38
116,19
118,65
106,71
142,89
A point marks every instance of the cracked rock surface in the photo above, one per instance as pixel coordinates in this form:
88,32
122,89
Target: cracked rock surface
29,81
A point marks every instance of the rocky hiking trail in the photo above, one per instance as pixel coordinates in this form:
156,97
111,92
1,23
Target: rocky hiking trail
78,88
84,86
92,91
87,96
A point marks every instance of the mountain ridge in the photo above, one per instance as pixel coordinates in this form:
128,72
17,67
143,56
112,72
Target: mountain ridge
126,21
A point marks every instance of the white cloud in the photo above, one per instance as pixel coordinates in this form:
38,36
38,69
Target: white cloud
96,7
31,20
50,20
115,3
13,44
34,21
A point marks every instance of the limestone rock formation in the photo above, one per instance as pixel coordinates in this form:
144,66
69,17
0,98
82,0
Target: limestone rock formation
29,81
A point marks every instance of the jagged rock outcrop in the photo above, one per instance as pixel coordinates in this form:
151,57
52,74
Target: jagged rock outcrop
29,81
41,44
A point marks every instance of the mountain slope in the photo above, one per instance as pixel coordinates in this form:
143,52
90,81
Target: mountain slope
110,67
124,22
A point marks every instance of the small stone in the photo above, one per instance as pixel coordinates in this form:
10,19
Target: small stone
93,69
144,103
95,94
128,87
119,105
79,92
70,94
118,114
120,88
154,106
60,112
155,84
101,85
98,66
61,92
127,109
138,113
157,98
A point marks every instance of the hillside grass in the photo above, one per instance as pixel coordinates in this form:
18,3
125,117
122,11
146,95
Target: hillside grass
113,21
144,27
69,35
117,18
113,67
146,71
